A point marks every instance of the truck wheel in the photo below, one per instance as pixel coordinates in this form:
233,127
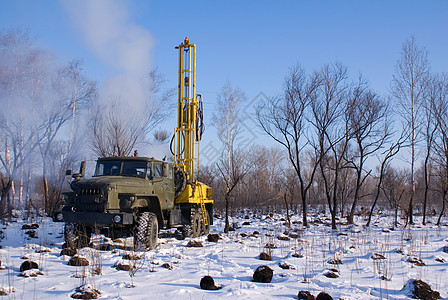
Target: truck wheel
206,228
70,235
77,236
186,231
146,232
84,235
196,224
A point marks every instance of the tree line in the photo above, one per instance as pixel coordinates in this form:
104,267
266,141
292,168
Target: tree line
338,139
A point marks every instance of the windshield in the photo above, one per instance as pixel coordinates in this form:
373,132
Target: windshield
121,168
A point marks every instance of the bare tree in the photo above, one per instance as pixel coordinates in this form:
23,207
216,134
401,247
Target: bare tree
262,184
38,97
408,86
24,73
395,187
431,96
284,120
117,129
233,164
439,104
290,186
387,156
161,135
366,115
70,89
333,133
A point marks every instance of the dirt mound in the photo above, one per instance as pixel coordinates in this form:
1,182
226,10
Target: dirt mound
131,256
28,265
123,267
324,296
207,283
265,256
419,289
69,251
263,274
194,244
86,292
78,261
305,295
213,237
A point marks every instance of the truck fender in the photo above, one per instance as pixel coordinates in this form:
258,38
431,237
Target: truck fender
150,204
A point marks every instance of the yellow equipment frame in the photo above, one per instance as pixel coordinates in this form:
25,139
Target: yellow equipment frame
186,140
187,135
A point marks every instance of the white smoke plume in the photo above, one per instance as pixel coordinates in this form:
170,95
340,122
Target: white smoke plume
119,43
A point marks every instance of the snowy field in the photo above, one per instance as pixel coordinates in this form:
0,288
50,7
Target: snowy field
371,263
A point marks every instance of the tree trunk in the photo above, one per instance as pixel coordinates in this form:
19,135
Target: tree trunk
378,189
304,212
287,210
425,199
335,201
442,211
357,188
46,201
396,215
411,200
227,225
6,188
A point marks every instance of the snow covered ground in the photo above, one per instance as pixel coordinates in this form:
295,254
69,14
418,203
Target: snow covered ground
232,261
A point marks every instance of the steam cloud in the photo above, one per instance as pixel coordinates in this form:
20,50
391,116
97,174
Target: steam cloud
120,44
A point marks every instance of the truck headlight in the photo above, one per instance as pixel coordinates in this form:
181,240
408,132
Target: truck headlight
117,218
59,217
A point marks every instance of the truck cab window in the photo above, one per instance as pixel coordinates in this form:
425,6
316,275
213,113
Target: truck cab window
134,168
108,168
157,168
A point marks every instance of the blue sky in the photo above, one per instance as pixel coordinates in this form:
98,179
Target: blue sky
252,43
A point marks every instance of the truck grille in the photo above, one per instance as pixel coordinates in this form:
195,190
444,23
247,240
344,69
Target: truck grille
91,199
88,192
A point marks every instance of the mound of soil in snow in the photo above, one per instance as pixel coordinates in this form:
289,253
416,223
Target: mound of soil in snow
68,251
419,289
324,296
207,283
263,274
78,261
305,295
194,244
265,256
86,292
28,265
213,237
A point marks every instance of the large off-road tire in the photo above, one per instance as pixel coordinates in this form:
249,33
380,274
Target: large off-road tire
70,235
76,235
180,181
197,227
196,224
185,231
206,228
146,232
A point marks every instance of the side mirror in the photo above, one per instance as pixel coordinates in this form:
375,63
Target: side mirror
165,169
68,172
82,169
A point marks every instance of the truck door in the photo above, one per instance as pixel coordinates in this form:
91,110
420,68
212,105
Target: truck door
163,185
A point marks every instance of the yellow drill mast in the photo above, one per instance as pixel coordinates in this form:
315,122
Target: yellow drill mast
189,125
188,133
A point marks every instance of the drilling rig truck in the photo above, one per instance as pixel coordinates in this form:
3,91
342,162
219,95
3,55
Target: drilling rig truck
137,196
